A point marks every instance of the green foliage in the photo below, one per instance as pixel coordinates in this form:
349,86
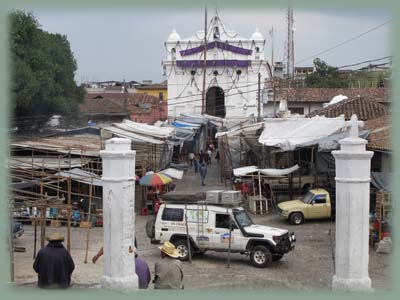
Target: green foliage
42,71
325,76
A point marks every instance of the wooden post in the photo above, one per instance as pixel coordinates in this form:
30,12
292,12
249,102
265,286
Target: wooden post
69,214
230,243
88,219
187,232
35,238
42,217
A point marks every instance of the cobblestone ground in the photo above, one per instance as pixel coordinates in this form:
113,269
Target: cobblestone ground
308,267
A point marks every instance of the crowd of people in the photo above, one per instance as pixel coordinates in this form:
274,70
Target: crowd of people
54,266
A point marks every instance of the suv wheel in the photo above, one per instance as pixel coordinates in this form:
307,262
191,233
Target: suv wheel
296,218
183,250
261,257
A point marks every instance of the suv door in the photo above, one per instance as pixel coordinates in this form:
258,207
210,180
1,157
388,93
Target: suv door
220,235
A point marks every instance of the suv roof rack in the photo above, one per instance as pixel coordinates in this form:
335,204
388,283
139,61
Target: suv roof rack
204,202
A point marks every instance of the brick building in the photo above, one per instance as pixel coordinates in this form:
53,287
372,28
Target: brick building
106,108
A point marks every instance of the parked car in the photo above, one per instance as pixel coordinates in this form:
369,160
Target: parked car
18,229
316,204
209,229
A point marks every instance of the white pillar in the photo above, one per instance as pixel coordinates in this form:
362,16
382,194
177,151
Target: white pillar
353,164
119,215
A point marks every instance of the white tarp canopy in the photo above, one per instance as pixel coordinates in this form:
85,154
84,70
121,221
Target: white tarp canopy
150,130
243,171
81,176
291,133
173,173
240,130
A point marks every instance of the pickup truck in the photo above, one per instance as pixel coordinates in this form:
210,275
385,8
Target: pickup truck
316,204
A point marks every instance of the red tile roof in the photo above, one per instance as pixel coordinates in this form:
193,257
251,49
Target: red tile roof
364,109
321,95
120,104
379,138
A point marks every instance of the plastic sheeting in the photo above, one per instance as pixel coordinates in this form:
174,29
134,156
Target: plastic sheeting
291,133
381,180
241,130
329,143
268,172
82,176
173,173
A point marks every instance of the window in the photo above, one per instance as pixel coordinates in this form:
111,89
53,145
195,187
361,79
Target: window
161,95
320,199
172,214
222,221
197,216
297,110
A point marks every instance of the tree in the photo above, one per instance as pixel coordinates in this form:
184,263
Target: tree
42,72
325,76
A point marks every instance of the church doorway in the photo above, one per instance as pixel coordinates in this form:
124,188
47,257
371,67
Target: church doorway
215,102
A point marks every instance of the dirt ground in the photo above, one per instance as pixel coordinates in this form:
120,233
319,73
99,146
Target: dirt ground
309,267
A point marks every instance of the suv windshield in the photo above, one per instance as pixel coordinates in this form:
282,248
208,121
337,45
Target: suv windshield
308,197
242,218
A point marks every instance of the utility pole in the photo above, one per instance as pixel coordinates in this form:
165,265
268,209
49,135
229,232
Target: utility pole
289,45
272,50
259,98
203,98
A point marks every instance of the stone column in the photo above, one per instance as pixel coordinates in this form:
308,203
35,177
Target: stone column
119,215
353,164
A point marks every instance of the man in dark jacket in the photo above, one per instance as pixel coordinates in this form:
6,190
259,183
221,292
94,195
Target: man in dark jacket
53,264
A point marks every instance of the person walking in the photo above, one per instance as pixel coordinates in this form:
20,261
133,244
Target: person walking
168,273
191,158
201,157
217,157
53,264
209,153
203,173
196,165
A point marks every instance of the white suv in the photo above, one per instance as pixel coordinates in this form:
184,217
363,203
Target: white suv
208,227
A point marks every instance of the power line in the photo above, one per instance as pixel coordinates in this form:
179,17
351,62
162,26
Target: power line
344,42
364,62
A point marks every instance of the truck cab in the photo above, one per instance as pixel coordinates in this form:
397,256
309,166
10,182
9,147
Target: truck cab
315,204
196,228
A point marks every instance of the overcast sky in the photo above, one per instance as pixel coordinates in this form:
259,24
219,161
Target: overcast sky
129,44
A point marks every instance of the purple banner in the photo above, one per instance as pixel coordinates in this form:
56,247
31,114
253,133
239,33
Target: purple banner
220,45
212,63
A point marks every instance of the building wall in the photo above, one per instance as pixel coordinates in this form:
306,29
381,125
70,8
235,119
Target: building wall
185,88
154,92
292,106
156,113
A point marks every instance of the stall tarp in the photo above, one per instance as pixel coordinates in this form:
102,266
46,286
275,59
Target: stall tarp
291,133
173,173
81,176
329,143
381,180
241,130
185,124
133,136
149,130
268,172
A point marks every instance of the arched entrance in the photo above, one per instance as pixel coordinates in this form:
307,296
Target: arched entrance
215,102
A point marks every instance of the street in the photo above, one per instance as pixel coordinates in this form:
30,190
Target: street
308,267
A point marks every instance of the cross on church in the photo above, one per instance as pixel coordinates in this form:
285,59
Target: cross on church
354,124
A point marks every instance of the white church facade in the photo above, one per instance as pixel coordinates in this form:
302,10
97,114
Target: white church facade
232,67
